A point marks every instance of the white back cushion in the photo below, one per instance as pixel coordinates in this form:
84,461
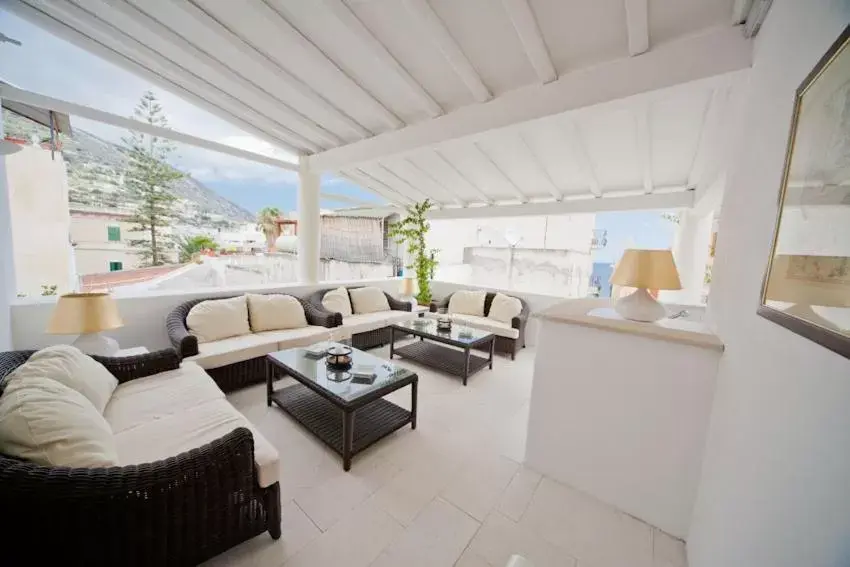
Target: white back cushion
337,301
468,302
50,424
368,300
70,367
275,312
504,308
216,319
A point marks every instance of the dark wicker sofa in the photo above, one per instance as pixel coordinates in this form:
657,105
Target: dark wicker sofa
178,511
503,344
240,374
369,339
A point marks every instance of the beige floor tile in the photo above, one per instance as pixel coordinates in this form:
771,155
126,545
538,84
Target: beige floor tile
518,494
470,559
436,538
500,538
354,541
479,484
410,491
667,551
329,501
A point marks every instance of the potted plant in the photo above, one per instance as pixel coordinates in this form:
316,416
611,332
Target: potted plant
411,230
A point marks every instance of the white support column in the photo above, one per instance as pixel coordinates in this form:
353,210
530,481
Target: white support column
7,255
309,224
691,252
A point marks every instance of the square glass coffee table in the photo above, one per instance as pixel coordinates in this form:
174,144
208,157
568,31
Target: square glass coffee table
347,414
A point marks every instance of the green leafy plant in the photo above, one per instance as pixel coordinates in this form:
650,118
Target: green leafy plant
48,289
267,224
149,177
192,246
411,230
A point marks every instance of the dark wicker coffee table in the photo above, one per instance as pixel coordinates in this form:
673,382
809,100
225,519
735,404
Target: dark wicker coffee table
431,352
346,416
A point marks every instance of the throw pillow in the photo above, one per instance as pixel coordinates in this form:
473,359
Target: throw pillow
275,312
48,423
337,301
217,319
368,300
504,308
71,368
467,302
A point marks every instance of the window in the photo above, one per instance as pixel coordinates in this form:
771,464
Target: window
116,266
114,234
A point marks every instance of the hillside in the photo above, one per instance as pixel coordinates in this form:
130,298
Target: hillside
95,178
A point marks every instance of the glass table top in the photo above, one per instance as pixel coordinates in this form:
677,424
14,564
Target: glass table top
459,332
341,384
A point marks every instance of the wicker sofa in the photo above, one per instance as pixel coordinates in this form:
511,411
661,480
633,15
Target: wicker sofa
368,330
509,338
179,509
239,361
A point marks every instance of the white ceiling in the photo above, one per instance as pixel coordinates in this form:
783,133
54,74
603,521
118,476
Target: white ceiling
319,75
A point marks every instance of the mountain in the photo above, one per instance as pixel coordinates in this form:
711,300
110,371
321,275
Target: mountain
96,178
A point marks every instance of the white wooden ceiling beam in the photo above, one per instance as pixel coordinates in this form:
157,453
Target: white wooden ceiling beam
165,41
283,77
709,135
9,92
550,184
637,24
306,46
154,73
643,139
434,182
704,56
656,201
465,181
379,53
368,182
388,174
576,140
495,167
434,28
525,24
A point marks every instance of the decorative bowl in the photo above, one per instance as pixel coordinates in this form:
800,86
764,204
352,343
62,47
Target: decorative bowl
339,357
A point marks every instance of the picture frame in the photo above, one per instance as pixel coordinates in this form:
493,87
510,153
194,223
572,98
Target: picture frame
806,286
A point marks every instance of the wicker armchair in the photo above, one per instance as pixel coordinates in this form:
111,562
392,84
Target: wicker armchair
368,339
504,345
178,511
241,374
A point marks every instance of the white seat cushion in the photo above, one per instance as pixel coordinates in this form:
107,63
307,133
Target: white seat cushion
504,308
190,429
235,349
50,424
275,312
337,301
486,324
364,322
292,338
368,300
70,367
155,397
217,319
398,316
468,302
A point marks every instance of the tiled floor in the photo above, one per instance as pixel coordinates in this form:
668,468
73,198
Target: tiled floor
452,492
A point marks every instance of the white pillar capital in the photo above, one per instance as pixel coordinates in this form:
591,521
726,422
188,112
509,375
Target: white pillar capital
309,224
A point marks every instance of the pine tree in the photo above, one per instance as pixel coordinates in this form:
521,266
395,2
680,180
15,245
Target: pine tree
148,178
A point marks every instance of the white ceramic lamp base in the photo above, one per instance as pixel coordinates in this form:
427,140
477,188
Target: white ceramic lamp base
640,306
95,343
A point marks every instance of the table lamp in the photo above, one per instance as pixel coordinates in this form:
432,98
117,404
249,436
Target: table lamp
87,314
644,270
806,280
407,288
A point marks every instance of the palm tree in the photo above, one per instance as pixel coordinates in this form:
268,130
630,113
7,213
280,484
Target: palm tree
267,223
191,247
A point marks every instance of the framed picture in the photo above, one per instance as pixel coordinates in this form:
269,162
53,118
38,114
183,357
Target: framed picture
807,283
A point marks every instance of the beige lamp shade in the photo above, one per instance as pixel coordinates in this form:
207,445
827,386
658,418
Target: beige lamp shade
406,287
83,313
809,280
648,269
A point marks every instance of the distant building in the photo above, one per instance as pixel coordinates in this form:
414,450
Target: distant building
600,285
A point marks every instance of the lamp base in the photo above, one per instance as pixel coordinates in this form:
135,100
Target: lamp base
640,306
96,343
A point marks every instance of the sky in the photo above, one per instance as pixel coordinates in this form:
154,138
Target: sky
48,65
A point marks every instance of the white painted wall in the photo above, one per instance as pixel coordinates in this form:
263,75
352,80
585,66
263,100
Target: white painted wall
775,487
7,257
623,418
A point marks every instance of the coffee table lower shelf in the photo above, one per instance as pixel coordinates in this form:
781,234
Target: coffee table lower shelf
442,358
325,420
